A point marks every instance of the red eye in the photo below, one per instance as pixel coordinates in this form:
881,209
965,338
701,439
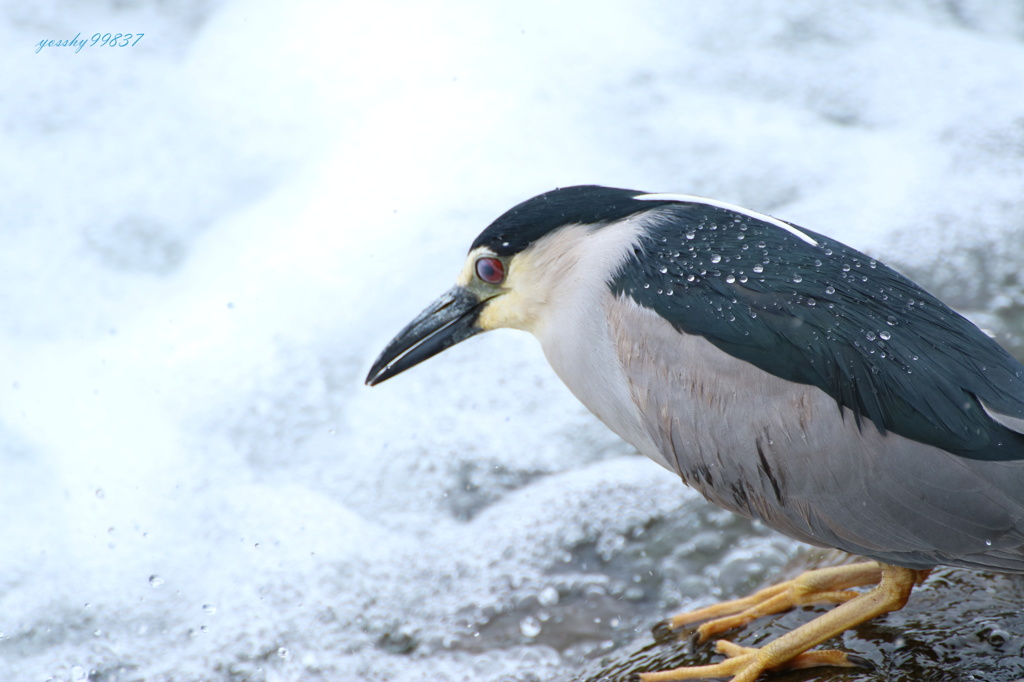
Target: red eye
490,270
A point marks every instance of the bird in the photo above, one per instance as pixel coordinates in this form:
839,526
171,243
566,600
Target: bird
787,377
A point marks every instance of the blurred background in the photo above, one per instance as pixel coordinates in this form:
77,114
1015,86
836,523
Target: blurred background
206,238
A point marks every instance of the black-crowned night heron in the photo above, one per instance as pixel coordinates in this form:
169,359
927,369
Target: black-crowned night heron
786,376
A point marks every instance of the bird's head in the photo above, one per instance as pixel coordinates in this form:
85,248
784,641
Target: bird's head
516,268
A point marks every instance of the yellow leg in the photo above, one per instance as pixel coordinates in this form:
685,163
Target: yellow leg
746,664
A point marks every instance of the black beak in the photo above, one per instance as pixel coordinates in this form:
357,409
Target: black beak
447,321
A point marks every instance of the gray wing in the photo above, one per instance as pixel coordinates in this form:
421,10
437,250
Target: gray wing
826,315
787,454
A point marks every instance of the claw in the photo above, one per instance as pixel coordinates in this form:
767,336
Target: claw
663,632
856,661
696,639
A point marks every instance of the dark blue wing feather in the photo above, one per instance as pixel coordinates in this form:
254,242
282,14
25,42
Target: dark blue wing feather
829,316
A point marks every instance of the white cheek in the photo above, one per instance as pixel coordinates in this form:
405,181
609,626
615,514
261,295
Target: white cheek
507,312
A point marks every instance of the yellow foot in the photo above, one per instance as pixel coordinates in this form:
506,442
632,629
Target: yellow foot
822,586
744,664
747,664
790,650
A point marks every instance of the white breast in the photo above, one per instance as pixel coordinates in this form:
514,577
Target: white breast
574,329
